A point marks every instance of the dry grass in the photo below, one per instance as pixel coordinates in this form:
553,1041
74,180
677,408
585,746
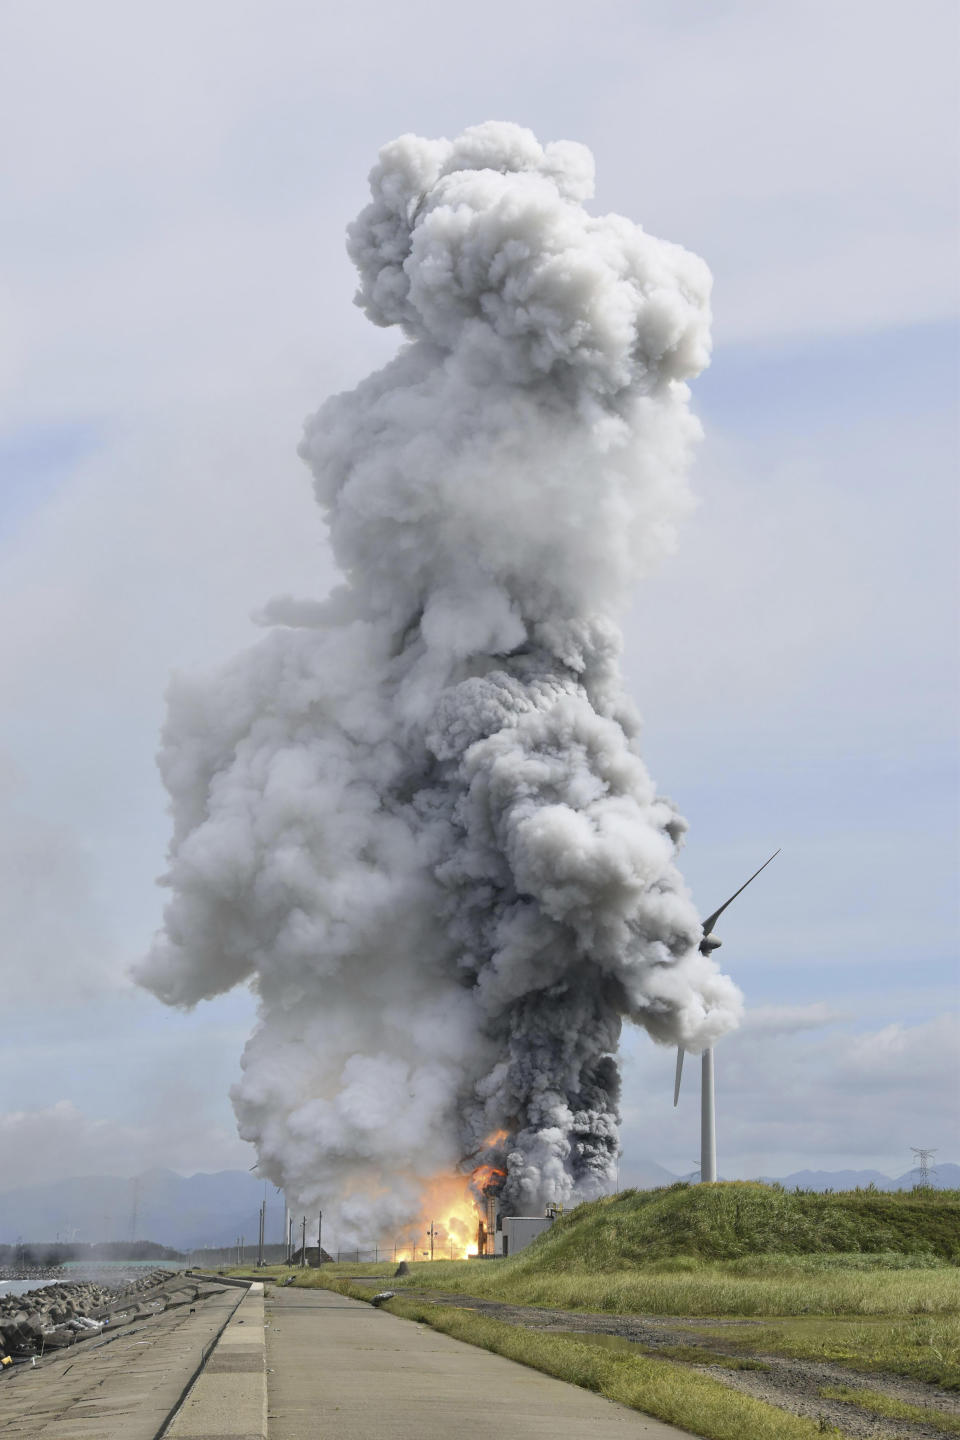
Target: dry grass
720,1288
876,1404
921,1347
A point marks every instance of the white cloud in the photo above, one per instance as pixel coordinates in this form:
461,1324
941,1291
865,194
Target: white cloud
61,1141
915,1060
789,1019
57,947
790,1101
181,177
151,559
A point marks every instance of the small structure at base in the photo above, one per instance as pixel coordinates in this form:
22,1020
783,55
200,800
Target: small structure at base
519,1230
499,1234
314,1257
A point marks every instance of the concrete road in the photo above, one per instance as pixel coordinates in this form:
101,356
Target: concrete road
338,1369
122,1386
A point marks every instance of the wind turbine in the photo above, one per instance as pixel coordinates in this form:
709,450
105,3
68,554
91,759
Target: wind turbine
708,1104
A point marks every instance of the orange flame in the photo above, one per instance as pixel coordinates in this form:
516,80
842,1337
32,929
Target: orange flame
449,1209
452,1206
487,1176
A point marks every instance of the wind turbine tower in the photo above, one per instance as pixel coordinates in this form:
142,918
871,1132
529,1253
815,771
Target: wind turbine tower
708,1098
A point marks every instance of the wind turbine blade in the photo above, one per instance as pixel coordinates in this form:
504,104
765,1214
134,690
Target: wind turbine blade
676,1083
711,920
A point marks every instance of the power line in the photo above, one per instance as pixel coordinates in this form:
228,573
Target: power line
923,1160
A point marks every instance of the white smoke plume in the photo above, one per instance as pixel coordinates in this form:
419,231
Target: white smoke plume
414,817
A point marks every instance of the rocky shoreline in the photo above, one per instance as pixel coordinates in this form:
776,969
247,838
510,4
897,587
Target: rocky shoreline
61,1314
32,1272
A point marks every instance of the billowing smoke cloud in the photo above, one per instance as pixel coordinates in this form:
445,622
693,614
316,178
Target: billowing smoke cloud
414,816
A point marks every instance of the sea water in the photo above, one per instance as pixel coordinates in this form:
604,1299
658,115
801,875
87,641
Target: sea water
112,1273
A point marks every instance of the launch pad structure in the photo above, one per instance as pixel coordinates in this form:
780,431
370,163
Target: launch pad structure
499,1235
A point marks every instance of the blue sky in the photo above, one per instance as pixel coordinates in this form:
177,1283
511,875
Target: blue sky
179,299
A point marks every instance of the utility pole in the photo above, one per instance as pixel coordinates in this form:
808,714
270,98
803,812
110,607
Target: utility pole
134,1202
923,1159
319,1239
432,1233
303,1243
289,1237
262,1233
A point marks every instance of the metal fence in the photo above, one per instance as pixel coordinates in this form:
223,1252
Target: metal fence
240,1253
373,1254
246,1254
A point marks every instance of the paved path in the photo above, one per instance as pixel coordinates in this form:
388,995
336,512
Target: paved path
338,1369
229,1399
121,1387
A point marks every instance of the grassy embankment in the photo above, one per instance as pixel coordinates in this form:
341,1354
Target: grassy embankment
864,1279
735,1249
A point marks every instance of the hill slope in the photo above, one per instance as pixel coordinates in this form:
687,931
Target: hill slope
727,1221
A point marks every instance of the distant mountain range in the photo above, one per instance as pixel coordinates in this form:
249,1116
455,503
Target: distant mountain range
196,1211
188,1212
947,1177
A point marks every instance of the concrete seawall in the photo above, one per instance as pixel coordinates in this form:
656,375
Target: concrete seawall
125,1384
